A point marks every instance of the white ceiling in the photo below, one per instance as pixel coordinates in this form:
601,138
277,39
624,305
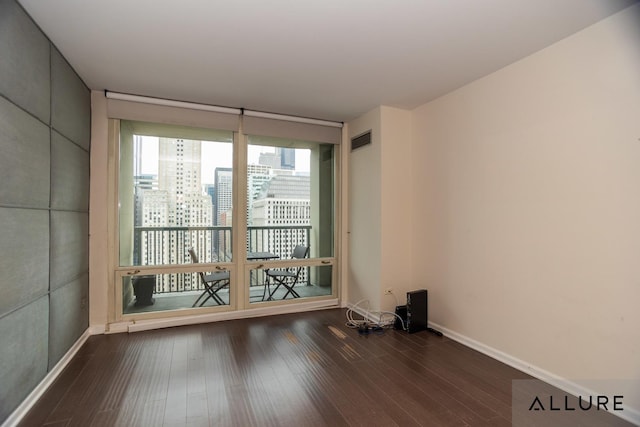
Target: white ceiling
328,59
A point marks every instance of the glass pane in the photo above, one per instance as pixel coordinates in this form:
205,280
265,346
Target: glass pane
175,193
161,292
290,283
290,196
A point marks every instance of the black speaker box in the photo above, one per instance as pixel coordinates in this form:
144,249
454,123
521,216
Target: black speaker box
416,311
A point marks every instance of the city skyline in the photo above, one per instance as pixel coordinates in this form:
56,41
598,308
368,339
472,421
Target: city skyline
214,154
176,199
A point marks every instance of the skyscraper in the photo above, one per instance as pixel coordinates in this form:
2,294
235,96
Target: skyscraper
283,158
222,202
287,158
284,200
177,202
257,175
180,176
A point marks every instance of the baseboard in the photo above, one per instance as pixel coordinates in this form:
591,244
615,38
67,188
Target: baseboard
117,328
144,325
97,329
19,413
628,414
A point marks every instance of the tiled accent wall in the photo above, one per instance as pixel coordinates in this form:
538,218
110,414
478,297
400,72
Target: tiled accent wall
45,118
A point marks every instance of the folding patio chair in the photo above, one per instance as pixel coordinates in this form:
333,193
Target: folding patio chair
212,283
287,277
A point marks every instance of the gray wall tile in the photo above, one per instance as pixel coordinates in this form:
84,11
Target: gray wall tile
69,316
24,61
69,247
69,175
44,197
24,257
25,159
70,102
23,353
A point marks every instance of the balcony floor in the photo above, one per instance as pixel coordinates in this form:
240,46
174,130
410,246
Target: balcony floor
181,300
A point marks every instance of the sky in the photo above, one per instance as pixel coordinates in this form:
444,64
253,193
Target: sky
214,154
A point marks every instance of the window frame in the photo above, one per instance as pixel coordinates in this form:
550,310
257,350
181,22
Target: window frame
239,268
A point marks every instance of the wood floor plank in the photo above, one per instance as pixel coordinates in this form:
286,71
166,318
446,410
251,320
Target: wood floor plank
88,391
442,360
464,405
392,392
394,407
351,395
460,400
281,386
143,403
42,409
225,404
304,369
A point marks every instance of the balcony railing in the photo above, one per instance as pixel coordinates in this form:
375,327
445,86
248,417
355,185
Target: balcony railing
169,245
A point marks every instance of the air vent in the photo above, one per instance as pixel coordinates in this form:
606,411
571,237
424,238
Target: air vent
361,140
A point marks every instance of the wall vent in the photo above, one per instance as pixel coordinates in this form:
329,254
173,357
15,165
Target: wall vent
361,140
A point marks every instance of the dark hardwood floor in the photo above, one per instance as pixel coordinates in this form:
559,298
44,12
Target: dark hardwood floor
305,369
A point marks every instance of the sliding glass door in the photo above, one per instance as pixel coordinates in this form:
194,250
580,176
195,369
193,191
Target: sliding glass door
215,220
175,191
290,218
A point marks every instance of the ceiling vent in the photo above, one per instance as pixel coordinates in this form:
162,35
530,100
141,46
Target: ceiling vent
361,140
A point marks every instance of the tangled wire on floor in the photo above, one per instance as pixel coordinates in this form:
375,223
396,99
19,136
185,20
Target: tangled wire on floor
366,324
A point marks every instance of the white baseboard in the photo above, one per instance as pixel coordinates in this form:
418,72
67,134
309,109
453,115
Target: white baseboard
97,329
117,328
19,413
144,325
629,414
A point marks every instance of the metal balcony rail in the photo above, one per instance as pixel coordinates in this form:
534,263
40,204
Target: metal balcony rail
169,245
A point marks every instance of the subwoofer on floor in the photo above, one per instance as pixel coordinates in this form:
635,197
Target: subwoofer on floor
414,314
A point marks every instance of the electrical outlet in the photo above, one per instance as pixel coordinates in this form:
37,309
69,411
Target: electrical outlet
388,291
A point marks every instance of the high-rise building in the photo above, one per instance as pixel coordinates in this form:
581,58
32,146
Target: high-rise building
283,158
257,175
222,202
177,202
146,182
269,159
287,158
253,169
210,189
141,184
283,200
179,174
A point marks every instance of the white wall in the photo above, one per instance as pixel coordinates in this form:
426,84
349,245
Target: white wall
99,209
397,210
364,223
381,195
528,185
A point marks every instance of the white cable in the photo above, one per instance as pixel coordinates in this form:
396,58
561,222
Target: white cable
355,323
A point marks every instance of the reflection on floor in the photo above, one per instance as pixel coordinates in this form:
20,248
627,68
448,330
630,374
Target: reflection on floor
181,300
